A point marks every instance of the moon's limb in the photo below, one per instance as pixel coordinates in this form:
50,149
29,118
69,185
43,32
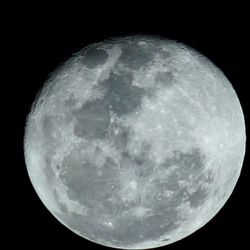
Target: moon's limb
136,142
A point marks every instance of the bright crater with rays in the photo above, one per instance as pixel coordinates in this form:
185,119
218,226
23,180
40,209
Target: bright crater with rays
135,142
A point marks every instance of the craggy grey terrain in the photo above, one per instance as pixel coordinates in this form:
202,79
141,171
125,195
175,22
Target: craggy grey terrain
135,142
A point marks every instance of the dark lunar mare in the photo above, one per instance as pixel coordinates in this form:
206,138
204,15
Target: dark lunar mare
135,56
121,95
165,78
94,56
94,191
93,118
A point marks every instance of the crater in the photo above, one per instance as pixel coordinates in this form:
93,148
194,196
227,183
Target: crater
95,57
40,101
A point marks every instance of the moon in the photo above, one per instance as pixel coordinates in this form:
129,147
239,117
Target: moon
135,142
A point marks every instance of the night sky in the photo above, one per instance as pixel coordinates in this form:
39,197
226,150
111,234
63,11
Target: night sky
41,38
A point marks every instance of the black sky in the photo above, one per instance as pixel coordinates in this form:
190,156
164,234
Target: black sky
41,38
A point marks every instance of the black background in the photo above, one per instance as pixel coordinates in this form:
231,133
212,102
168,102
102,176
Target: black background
42,37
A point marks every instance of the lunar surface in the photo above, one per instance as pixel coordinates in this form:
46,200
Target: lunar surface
135,142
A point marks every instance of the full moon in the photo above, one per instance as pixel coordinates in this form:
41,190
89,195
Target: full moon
135,142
